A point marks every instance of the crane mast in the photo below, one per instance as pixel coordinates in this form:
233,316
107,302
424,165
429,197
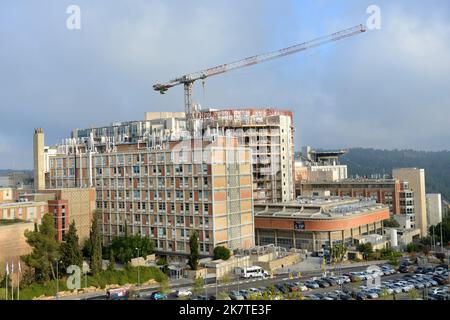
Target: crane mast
189,79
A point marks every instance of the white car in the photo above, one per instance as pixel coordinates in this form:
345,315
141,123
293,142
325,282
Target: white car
302,287
183,293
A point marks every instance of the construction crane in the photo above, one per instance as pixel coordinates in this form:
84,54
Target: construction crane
189,79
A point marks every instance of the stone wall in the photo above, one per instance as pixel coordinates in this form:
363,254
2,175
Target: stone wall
13,243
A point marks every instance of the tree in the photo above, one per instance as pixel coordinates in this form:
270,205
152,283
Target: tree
45,249
223,296
112,260
411,247
338,252
391,223
221,252
366,249
70,249
164,286
199,284
193,254
95,244
125,247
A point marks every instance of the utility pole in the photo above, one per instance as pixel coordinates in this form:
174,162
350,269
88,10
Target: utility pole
57,282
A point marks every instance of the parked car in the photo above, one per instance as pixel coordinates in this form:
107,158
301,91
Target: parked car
440,279
322,283
311,284
371,293
183,293
254,291
330,281
292,287
236,295
301,286
157,295
361,295
403,268
282,288
312,297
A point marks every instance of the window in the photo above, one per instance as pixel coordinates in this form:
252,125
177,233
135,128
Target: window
205,208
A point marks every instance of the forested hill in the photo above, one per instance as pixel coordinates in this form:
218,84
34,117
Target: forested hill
366,161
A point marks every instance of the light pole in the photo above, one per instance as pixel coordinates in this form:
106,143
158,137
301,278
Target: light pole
138,267
57,279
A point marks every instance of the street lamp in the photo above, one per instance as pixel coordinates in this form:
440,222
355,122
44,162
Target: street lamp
57,279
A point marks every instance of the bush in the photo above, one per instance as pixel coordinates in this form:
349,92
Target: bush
221,252
101,280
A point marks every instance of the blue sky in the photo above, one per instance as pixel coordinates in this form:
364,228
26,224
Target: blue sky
388,88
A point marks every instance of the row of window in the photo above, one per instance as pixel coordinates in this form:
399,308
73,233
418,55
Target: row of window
183,207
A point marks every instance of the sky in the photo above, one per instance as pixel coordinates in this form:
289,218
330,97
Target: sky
386,88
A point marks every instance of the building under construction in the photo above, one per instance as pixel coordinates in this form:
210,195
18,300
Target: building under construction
268,132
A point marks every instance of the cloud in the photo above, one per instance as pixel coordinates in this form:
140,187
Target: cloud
385,88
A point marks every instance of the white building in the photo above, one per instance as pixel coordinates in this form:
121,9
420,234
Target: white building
416,179
434,208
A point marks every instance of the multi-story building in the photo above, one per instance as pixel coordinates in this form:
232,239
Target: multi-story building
316,223
416,179
23,210
165,191
319,166
67,205
268,132
434,208
270,135
386,191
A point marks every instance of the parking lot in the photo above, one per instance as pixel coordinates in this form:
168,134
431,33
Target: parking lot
384,282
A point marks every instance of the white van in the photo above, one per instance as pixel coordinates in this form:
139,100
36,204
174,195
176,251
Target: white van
252,272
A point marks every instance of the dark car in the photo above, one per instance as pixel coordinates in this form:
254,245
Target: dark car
440,280
292,287
282,288
403,268
331,281
419,270
333,295
322,284
361,296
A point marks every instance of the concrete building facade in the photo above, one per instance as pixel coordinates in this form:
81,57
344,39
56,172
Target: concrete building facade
416,179
166,193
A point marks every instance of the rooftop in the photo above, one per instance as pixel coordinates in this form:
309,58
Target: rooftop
319,208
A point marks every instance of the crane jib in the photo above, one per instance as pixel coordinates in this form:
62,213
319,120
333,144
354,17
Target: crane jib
189,79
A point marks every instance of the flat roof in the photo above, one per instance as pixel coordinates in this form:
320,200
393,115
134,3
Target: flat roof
318,208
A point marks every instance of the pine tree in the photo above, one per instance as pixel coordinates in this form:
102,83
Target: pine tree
193,255
45,249
112,260
96,247
70,249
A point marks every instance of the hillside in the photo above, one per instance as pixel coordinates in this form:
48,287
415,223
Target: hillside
365,162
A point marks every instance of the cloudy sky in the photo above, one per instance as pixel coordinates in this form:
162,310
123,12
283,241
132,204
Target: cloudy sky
387,88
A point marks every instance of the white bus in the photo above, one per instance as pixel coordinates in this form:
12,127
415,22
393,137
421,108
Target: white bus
252,272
